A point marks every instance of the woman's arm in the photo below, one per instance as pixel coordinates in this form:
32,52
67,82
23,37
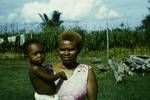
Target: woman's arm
91,86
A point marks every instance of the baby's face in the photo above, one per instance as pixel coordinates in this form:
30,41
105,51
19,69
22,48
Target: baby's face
36,53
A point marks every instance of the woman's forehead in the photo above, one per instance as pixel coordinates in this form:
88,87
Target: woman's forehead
66,43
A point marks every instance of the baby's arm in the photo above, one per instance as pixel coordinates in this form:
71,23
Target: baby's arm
42,74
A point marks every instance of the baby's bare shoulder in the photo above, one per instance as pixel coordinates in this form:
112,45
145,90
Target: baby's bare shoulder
35,68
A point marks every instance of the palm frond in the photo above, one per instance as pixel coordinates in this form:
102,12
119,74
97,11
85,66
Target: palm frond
46,17
42,17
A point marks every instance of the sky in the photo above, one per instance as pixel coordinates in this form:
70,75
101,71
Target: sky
98,12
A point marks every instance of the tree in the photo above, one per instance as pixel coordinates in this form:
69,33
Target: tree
146,22
146,28
51,29
53,22
143,31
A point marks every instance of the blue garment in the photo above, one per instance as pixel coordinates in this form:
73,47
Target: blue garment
49,69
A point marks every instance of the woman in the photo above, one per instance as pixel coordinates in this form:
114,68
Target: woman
81,81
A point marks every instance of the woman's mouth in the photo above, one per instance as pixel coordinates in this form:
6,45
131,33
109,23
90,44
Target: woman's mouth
66,58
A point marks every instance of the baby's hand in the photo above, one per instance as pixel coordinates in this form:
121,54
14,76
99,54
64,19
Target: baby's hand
63,75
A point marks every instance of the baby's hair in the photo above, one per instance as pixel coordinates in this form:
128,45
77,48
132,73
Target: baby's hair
73,37
29,42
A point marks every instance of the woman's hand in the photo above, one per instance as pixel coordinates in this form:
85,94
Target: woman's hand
62,75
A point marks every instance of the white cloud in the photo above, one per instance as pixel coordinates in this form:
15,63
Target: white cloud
113,14
70,9
30,11
104,13
11,17
75,10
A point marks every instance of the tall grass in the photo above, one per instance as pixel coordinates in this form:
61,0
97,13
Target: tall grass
94,40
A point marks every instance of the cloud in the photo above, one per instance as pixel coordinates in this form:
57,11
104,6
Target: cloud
30,11
76,10
70,9
11,17
104,13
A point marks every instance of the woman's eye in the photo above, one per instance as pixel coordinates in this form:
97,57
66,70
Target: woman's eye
67,49
71,49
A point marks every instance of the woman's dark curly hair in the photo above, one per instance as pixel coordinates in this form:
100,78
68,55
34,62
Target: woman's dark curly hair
73,37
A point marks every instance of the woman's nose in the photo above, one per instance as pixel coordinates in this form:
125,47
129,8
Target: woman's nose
66,52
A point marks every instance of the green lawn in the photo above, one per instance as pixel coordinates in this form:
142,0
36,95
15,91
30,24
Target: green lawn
14,81
15,84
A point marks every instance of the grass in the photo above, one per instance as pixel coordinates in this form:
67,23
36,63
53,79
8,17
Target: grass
132,88
15,83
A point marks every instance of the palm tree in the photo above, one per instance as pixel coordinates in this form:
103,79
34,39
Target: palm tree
146,22
146,27
53,22
56,18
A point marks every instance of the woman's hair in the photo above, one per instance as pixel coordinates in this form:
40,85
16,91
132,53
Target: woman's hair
29,42
73,37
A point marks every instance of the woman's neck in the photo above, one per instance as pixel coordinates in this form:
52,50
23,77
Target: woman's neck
71,65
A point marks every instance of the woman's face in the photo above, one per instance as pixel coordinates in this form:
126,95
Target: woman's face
68,52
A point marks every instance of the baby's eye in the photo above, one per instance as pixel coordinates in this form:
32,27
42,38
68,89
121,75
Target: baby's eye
35,53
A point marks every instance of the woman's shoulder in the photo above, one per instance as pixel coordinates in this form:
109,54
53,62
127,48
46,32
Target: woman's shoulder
85,66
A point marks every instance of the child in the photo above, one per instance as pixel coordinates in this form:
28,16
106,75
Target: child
42,80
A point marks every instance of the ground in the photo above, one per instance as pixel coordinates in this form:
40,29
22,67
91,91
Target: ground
15,83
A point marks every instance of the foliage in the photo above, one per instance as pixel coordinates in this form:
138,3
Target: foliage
95,40
49,37
146,27
146,24
53,22
50,30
